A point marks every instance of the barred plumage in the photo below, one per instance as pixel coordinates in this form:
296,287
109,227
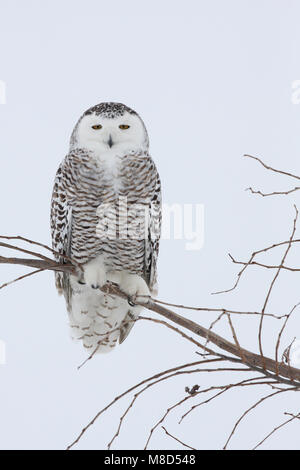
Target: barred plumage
106,215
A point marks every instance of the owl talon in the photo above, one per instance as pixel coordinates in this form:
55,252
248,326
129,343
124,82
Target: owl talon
81,283
130,302
95,273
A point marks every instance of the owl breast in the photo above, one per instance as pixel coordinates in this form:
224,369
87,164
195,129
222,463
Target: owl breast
110,212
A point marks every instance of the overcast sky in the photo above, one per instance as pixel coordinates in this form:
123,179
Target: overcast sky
212,80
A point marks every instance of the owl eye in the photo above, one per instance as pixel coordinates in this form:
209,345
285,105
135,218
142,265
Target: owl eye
97,126
124,126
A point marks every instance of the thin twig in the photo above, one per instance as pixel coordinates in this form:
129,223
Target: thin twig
268,266
271,288
46,247
271,168
235,337
253,360
222,391
209,309
251,408
276,429
13,247
250,261
131,389
151,384
20,278
280,334
274,193
180,402
176,439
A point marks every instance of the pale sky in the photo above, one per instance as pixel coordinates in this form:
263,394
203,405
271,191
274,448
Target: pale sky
212,80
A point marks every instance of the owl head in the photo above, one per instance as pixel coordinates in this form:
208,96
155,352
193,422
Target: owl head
110,127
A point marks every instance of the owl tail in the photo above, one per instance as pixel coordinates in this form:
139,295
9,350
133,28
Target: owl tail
99,320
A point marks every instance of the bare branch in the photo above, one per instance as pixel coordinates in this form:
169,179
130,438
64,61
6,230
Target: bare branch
176,439
13,247
134,387
271,370
251,408
272,285
216,310
177,404
274,193
281,331
276,429
291,414
268,266
20,278
235,338
253,360
39,264
254,254
272,169
224,389
46,247
151,384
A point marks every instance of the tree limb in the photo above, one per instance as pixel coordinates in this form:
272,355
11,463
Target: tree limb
251,359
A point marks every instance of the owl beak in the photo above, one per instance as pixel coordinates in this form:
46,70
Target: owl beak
110,142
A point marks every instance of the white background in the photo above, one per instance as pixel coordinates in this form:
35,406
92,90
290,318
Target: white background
212,81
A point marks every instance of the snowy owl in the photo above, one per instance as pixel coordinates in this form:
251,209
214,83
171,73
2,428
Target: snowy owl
106,216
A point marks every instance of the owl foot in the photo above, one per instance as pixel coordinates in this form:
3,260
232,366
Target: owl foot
95,273
135,287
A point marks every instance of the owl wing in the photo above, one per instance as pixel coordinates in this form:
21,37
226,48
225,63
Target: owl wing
74,175
151,252
61,229
153,239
